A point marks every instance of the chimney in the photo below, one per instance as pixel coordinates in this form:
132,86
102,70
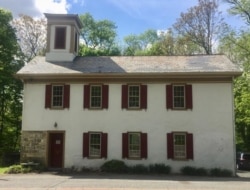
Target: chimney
63,31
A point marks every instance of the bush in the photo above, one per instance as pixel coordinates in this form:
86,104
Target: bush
159,168
188,170
217,172
138,169
16,169
115,166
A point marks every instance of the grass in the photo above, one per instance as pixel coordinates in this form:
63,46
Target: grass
3,169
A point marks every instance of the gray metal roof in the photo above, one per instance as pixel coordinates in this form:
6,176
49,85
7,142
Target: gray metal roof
133,65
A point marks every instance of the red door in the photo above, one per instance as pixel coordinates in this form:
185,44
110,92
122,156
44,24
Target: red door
56,150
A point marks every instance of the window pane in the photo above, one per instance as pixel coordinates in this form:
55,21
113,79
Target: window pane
134,145
179,146
179,96
96,96
134,97
60,38
57,96
95,145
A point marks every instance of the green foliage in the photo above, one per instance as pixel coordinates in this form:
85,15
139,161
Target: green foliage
138,169
216,172
114,166
97,35
11,60
159,169
241,8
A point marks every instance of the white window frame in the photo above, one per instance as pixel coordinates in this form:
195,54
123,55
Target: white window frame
57,96
132,152
180,151
134,96
91,96
92,152
175,96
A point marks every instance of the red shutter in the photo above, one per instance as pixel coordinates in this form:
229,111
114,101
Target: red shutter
85,152
66,96
124,96
169,96
143,96
104,148
86,96
170,146
48,93
144,145
189,98
124,145
105,96
190,151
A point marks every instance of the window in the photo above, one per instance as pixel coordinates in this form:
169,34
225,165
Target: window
57,96
60,37
95,145
134,96
180,145
134,145
179,96
96,96
134,150
76,43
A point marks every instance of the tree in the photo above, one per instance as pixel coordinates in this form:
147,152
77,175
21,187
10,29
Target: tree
201,24
98,35
241,8
11,61
140,44
31,34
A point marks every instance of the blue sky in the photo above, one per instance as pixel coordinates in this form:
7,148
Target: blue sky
130,16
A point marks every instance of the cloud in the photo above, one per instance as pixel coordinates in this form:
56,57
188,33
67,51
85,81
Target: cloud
36,8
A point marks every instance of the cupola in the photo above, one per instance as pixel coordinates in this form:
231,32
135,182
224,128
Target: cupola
63,31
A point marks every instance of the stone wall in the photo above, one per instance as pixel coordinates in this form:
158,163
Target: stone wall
34,147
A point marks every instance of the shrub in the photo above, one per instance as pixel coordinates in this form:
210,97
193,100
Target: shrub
159,168
138,169
115,166
188,170
218,172
15,169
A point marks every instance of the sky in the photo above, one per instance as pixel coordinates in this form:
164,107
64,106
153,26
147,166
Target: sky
130,16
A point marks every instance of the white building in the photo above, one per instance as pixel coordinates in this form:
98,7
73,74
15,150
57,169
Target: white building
84,111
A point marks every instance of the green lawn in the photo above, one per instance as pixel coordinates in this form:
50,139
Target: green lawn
2,170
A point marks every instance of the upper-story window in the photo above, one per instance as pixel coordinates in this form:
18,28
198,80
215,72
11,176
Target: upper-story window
179,96
60,38
134,96
96,96
57,96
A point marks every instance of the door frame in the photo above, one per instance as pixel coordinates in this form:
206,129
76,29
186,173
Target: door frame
49,147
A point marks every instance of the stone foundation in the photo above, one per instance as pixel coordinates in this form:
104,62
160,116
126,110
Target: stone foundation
34,147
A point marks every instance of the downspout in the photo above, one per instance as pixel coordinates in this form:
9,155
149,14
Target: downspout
233,120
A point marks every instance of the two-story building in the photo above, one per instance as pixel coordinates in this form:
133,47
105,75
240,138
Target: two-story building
83,111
